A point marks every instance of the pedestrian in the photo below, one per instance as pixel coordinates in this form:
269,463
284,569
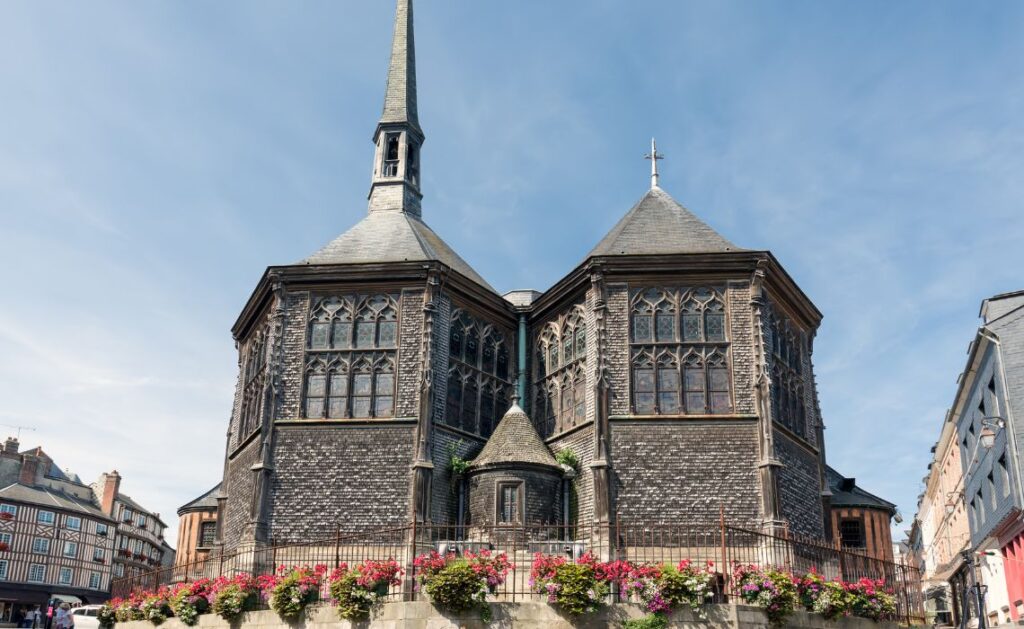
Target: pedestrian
64,620
37,617
19,617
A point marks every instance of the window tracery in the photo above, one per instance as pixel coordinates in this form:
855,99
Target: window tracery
788,387
253,370
560,377
479,386
350,357
679,352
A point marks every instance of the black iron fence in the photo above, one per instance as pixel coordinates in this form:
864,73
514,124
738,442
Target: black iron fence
721,546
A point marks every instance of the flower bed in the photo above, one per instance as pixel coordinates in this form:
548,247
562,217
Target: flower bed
456,584
355,592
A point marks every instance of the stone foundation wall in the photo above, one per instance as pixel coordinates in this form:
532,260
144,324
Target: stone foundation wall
529,615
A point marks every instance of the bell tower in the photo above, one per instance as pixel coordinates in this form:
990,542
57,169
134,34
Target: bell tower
396,165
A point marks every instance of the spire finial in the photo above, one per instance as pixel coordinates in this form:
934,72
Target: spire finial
654,156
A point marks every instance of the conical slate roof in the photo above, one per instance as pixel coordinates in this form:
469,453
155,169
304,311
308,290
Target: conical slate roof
515,441
658,224
202,503
392,237
400,95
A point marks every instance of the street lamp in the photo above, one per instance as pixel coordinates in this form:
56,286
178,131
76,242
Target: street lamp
987,438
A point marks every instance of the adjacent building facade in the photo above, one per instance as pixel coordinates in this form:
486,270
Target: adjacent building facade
861,521
59,538
197,529
675,365
976,473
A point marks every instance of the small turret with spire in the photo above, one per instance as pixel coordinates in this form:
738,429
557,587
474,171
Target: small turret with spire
396,167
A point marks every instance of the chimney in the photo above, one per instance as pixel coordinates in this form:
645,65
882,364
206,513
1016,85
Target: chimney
109,485
11,445
29,469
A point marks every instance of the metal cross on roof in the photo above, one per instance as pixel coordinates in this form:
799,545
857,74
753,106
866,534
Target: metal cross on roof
654,156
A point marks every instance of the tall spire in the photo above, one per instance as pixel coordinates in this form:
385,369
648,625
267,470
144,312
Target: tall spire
400,97
396,168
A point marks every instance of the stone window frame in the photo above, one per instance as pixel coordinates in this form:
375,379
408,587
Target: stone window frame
787,350
207,529
479,375
673,331
859,521
349,335
560,385
520,486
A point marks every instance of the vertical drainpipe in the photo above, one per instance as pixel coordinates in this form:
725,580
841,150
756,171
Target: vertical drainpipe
521,361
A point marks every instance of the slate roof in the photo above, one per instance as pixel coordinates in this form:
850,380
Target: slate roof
392,236
202,503
44,497
846,493
515,440
400,95
658,224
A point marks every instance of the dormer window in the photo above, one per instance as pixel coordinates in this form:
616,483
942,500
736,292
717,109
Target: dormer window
412,167
391,155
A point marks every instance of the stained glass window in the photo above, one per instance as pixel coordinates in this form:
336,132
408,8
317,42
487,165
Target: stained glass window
641,327
643,387
693,374
316,388
668,389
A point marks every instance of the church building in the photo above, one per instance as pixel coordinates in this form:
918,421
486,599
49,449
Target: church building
672,365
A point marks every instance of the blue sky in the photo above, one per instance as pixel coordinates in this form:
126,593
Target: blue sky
156,157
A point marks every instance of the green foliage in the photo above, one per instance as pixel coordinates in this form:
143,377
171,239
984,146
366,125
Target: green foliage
293,592
650,621
231,601
568,457
457,465
579,590
457,588
684,585
354,601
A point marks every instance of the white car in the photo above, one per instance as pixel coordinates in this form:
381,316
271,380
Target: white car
85,617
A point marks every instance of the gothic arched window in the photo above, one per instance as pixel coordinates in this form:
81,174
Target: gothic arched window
685,329
478,374
253,369
788,405
560,378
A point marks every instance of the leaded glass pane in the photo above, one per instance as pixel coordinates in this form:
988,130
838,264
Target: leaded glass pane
383,406
691,328
342,335
645,403
641,328
566,407
454,401
361,407
456,343
668,402
472,348
339,384
469,404
385,384
486,413
364,334
361,384
694,378
665,324
487,365
553,358
502,362
316,385
719,378
581,343
695,403
314,407
644,380
567,349
579,393
336,407
720,403
388,331
318,335
668,379
715,326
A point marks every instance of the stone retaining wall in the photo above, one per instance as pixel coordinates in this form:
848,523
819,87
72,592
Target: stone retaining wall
529,615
